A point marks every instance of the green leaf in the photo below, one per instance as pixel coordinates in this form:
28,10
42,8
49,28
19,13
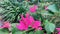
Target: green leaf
52,7
4,31
44,12
39,32
49,27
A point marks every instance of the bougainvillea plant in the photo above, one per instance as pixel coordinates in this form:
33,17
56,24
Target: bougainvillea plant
29,21
29,17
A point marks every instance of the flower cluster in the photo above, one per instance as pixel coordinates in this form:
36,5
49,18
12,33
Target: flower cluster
27,22
58,29
6,24
33,8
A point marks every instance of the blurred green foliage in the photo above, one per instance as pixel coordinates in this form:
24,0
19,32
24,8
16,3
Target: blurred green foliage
12,9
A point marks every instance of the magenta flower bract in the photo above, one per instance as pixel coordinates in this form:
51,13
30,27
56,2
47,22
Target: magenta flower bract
58,29
46,7
40,28
22,26
33,8
58,32
27,22
36,24
6,24
27,15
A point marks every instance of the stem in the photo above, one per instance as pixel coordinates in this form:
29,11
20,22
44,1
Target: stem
30,30
10,30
